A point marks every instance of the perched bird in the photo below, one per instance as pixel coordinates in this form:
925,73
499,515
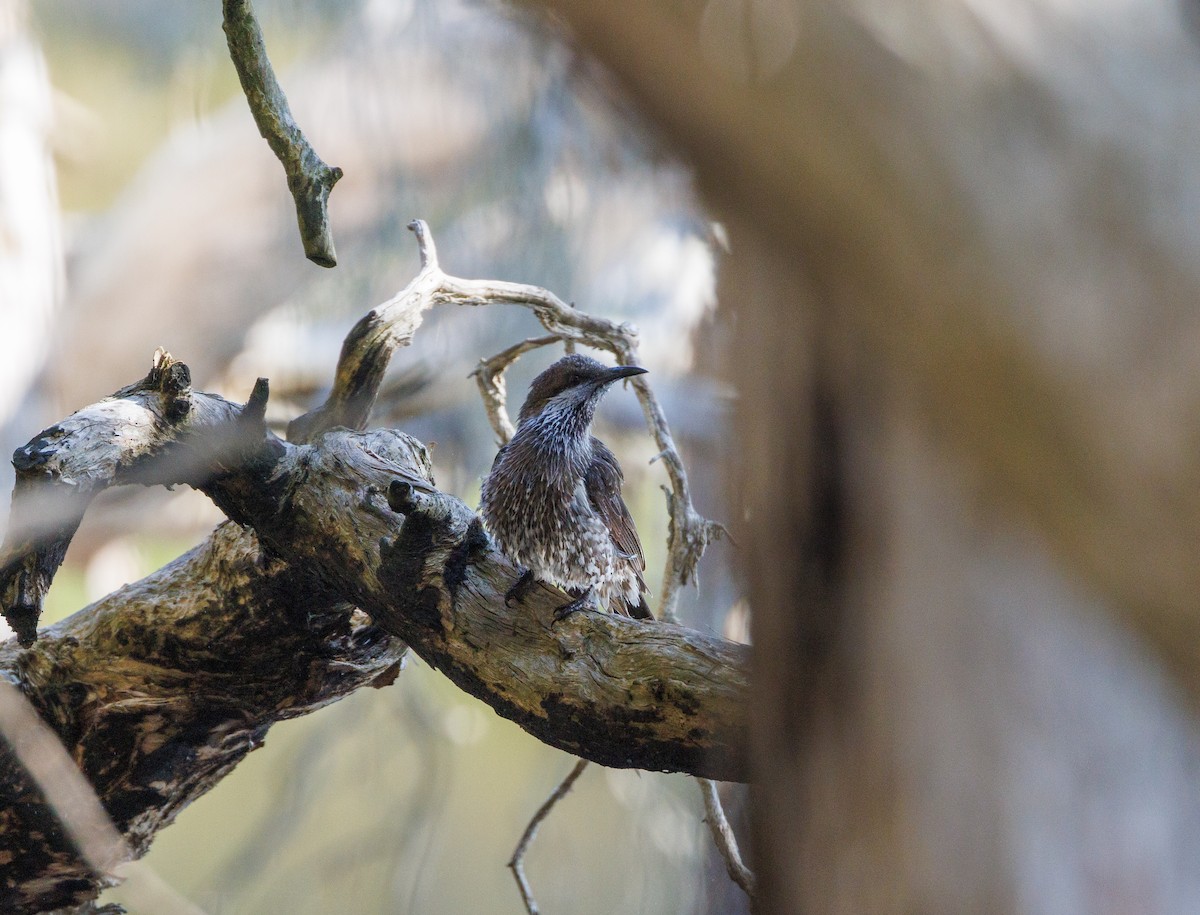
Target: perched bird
553,497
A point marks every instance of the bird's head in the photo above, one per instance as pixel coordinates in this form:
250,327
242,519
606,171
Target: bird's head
574,383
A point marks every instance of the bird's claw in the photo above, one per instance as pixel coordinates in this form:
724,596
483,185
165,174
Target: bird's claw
520,588
579,603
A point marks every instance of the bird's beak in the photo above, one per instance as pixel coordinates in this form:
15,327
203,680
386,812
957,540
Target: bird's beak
623,371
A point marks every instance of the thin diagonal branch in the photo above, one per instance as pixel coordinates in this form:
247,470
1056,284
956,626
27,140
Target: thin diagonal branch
723,837
517,861
309,179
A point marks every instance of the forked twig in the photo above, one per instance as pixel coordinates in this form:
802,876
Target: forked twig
489,376
517,862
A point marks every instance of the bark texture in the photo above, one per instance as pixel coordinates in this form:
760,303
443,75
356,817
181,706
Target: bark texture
160,689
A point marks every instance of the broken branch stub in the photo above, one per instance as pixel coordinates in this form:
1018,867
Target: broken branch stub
155,431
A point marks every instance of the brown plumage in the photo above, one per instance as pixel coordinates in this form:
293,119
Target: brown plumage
553,497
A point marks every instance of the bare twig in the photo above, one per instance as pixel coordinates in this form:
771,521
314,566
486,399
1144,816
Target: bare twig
723,837
309,179
75,804
368,348
517,862
489,376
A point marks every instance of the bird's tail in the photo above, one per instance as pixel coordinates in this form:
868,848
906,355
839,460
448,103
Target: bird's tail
640,610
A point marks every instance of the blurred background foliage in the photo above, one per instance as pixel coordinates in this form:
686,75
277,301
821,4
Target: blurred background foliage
176,229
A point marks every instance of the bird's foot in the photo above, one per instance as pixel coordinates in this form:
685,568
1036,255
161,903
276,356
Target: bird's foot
520,588
579,603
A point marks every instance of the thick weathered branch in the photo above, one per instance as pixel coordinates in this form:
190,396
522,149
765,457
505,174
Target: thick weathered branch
609,689
160,689
78,809
309,179
602,687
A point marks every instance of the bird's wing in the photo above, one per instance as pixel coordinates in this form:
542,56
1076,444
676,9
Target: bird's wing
603,485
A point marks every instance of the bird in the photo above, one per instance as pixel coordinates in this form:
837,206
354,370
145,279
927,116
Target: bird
552,499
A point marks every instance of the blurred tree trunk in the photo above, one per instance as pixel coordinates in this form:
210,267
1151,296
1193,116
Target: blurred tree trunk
30,234
965,343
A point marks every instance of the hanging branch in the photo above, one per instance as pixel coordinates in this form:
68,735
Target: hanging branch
517,862
309,179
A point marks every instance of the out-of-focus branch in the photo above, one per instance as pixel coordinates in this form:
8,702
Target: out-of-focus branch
517,862
309,179
75,805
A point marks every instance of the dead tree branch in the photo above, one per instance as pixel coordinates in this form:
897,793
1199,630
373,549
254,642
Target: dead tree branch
159,690
517,861
132,437
309,179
